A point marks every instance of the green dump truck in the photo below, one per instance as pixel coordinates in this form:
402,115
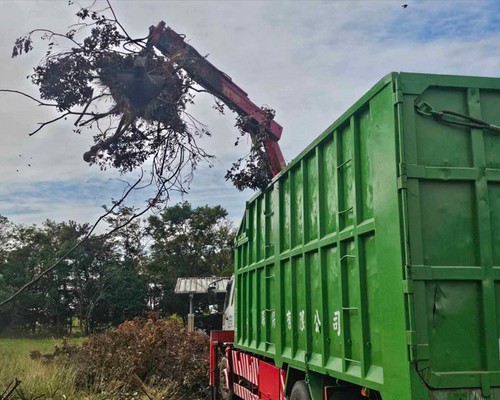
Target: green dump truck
370,267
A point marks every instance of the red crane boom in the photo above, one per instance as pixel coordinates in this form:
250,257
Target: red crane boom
216,82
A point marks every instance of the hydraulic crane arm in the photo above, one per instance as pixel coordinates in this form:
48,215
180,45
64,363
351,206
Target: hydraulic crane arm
216,82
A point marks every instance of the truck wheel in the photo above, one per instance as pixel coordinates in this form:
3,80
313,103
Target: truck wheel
300,391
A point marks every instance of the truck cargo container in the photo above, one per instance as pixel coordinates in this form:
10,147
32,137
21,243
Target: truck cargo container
370,267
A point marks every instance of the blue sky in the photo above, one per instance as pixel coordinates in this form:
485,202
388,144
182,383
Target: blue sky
448,20
308,60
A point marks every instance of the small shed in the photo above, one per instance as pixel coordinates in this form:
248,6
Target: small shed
196,285
200,285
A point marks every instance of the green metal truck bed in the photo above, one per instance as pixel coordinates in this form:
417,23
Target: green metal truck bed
374,257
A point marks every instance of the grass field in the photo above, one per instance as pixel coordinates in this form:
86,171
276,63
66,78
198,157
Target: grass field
53,382
49,380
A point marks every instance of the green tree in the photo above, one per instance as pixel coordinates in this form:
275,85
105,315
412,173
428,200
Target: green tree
91,266
187,241
127,297
32,249
6,238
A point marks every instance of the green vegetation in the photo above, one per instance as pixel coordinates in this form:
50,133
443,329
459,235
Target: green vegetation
104,282
108,279
141,359
37,378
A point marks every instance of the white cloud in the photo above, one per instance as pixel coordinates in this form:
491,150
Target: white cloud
308,60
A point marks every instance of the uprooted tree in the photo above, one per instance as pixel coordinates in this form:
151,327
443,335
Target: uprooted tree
93,83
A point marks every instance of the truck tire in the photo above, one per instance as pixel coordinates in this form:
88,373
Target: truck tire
300,391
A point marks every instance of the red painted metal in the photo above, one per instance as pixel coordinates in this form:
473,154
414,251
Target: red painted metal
216,339
156,31
267,379
246,366
275,155
244,393
172,45
269,382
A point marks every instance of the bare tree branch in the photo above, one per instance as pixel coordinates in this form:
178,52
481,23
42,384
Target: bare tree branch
43,124
52,34
118,22
40,103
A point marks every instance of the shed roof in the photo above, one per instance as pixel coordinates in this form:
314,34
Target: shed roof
200,285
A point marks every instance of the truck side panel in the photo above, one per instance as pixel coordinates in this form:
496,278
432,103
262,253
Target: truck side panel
453,193
374,257
321,289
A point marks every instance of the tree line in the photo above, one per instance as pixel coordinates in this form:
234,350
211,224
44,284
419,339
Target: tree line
109,278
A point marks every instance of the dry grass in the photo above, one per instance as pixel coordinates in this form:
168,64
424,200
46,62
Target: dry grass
52,381
37,378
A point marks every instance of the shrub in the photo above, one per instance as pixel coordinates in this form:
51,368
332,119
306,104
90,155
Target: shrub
145,352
